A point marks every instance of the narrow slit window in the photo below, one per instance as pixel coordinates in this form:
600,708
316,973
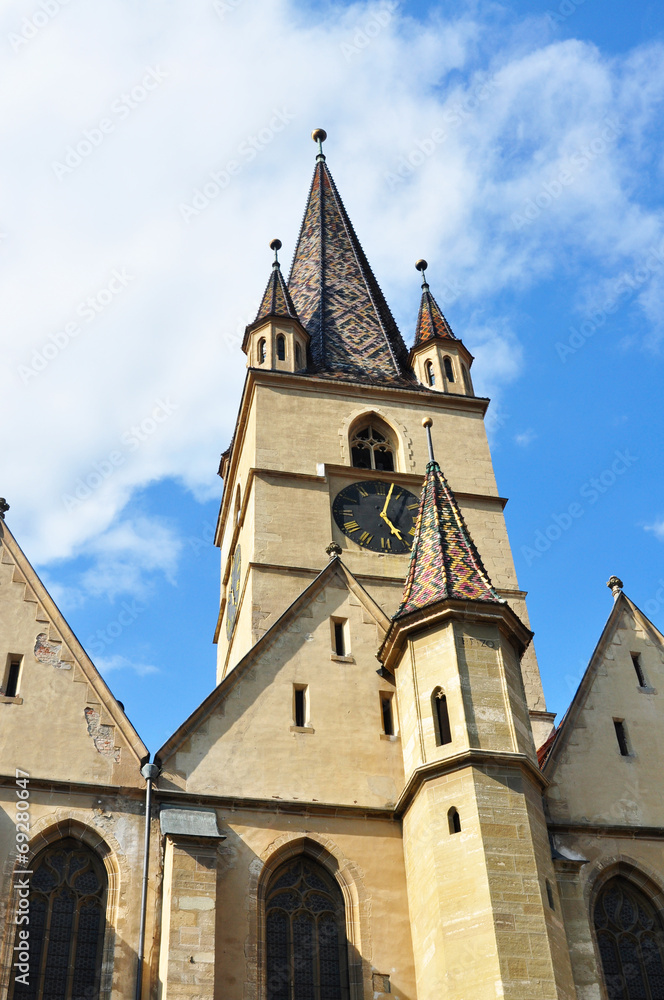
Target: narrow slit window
300,698
454,820
466,380
442,719
11,687
449,371
388,718
636,660
621,736
430,373
298,356
339,640
281,348
549,894
262,351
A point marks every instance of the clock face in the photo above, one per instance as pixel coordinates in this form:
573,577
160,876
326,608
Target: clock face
233,593
378,516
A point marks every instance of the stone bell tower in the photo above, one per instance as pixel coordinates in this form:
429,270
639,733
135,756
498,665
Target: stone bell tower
485,915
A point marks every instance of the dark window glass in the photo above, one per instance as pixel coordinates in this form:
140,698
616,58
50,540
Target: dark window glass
454,821
442,719
449,372
621,736
466,380
370,449
298,356
629,936
636,660
339,644
12,679
306,935
388,721
281,348
430,373
67,921
549,894
300,707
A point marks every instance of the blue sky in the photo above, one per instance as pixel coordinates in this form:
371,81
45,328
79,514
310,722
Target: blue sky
516,146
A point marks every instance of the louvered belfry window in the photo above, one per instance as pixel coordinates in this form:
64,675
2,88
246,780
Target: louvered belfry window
631,943
306,935
67,919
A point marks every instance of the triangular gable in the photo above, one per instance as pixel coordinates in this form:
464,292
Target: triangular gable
87,717
334,568
558,740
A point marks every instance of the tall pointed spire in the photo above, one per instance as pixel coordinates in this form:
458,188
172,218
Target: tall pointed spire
444,561
338,299
430,321
276,298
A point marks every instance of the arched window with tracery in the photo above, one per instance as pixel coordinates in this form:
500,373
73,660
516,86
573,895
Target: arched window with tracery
305,929
629,935
262,351
281,347
449,371
441,718
67,921
430,373
372,446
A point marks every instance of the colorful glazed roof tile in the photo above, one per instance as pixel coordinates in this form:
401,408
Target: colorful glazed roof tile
276,299
430,321
338,299
444,562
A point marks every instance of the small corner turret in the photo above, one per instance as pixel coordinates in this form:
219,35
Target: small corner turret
276,339
438,358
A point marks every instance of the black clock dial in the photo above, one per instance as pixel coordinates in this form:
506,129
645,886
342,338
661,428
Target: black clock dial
378,516
233,593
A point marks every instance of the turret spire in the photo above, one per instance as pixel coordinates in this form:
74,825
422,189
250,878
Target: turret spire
430,321
338,299
444,561
276,298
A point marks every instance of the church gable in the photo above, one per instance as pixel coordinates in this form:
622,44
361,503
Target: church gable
605,762
50,688
301,716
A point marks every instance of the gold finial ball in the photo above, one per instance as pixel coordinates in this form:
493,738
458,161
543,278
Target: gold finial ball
421,264
427,422
275,244
319,134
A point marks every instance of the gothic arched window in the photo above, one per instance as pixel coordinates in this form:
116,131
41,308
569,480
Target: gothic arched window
67,919
305,934
449,371
430,373
281,348
441,718
629,936
262,351
466,381
371,447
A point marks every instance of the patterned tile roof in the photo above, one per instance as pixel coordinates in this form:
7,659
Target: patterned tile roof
276,299
444,562
337,296
430,321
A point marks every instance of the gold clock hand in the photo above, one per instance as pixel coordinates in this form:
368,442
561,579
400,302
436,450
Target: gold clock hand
395,531
388,499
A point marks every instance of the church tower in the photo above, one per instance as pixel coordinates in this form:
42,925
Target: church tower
328,444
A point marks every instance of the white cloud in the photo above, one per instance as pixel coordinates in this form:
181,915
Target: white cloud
525,438
657,528
110,664
514,112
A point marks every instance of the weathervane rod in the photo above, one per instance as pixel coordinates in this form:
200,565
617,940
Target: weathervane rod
427,423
